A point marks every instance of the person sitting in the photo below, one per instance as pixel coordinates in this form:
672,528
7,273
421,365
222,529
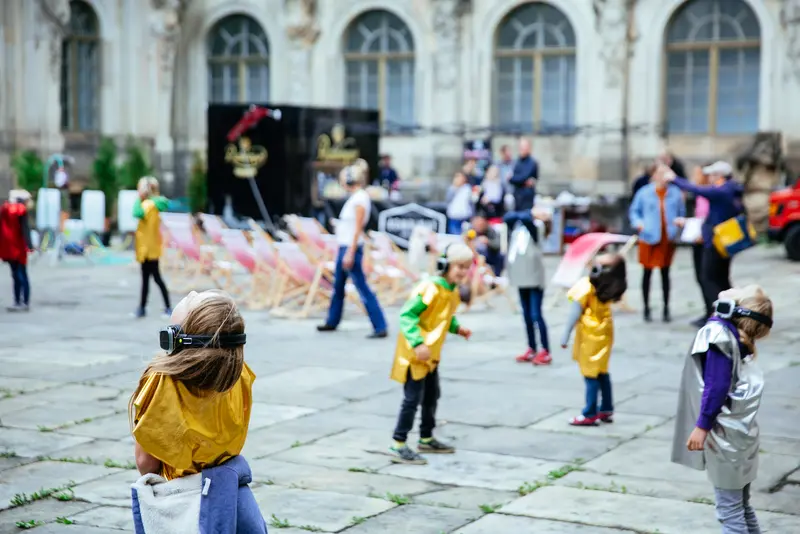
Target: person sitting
492,198
487,242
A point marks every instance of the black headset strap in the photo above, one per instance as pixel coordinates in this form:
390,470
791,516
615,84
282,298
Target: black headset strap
750,314
222,341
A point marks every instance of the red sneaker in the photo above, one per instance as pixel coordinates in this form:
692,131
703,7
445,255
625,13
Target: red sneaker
606,417
527,357
542,358
583,421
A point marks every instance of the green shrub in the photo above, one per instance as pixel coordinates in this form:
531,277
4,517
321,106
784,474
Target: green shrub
135,166
105,173
198,186
29,169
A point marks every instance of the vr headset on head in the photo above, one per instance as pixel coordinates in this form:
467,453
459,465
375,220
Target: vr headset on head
727,309
173,340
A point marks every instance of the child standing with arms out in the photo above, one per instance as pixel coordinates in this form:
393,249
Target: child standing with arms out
720,394
591,301
148,240
191,411
425,320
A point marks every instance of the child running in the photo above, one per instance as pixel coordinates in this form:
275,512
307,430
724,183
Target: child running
425,320
191,411
148,240
594,335
721,387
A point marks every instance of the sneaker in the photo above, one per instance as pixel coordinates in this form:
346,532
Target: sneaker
667,316
378,335
14,308
25,308
647,317
325,328
527,357
542,358
583,421
404,455
139,313
606,417
699,322
167,313
435,446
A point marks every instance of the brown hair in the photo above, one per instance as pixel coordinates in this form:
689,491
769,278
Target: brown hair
754,299
211,368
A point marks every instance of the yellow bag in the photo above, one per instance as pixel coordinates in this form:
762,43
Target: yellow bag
733,236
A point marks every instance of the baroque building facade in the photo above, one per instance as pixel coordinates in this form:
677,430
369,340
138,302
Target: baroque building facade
598,85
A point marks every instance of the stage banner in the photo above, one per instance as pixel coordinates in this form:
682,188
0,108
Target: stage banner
481,151
400,221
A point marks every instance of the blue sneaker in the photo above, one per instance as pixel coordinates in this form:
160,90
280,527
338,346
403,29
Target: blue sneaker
139,313
167,313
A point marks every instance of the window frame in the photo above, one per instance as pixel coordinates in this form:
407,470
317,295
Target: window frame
538,55
70,44
713,47
241,63
382,58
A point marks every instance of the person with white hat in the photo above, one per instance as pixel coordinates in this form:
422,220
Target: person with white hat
724,195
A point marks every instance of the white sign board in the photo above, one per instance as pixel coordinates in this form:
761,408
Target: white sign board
48,209
399,222
126,222
93,211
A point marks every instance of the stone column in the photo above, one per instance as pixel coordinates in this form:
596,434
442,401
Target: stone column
446,147
42,94
303,31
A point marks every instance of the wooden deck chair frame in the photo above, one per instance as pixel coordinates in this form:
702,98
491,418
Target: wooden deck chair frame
256,292
198,266
392,276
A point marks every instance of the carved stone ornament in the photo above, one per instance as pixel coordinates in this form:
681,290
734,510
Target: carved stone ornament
790,20
302,27
54,15
611,21
446,25
165,27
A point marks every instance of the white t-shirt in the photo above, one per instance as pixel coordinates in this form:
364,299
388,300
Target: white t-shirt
346,226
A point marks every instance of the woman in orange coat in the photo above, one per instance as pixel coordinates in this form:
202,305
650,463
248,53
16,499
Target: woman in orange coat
15,242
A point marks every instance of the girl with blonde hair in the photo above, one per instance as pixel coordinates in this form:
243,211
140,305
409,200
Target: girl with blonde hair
148,240
721,388
189,418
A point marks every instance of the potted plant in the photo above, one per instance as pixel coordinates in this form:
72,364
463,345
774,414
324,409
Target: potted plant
198,186
135,166
105,177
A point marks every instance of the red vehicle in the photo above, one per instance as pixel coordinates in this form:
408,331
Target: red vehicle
784,219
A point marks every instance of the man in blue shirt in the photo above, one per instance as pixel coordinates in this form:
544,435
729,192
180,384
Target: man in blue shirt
388,175
524,177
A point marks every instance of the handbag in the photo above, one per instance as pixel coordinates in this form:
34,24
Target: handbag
734,235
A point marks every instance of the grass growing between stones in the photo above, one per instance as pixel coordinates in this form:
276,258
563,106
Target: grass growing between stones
119,465
64,521
399,500
362,470
701,500
490,508
69,460
8,454
357,520
612,488
25,525
529,487
63,493
563,471
277,522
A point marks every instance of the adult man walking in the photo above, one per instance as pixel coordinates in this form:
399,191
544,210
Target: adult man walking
524,178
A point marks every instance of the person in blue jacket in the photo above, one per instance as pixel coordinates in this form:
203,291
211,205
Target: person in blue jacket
524,178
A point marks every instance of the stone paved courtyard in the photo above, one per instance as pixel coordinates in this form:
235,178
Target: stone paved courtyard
324,413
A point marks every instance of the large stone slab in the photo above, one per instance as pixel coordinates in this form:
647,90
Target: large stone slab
497,523
417,519
353,448
330,512
78,393
112,427
32,443
466,498
101,450
355,480
634,512
57,528
44,475
18,386
625,426
304,379
644,458
112,517
527,442
114,490
478,469
264,415
51,416
653,403
61,357
44,511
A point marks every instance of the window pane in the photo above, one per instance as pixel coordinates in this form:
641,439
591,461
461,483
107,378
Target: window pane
558,93
378,31
738,91
514,93
535,25
362,84
713,20
66,87
257,83
688,79
399,92
87,84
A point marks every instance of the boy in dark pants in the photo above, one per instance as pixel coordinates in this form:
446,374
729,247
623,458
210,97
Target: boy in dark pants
425,320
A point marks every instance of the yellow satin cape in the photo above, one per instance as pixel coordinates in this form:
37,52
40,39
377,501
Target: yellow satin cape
189,432
594,333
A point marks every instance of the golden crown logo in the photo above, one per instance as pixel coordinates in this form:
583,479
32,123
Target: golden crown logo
246,159
337,146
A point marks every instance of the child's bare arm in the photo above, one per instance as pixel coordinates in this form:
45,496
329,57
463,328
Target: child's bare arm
146,463
575,312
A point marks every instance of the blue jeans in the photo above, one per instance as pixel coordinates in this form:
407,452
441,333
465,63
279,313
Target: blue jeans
360,281
735,513
531,300
494,258
525,218
601,385
454,226
22,287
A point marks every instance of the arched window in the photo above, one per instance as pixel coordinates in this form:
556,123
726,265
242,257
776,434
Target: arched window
379,61
713,64
534,71
238,61
80,70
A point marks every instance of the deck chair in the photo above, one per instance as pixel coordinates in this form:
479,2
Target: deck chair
256,292
392,276
197,266
213,227
313,239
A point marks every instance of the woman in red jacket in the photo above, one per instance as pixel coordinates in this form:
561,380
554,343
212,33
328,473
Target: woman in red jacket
15,242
